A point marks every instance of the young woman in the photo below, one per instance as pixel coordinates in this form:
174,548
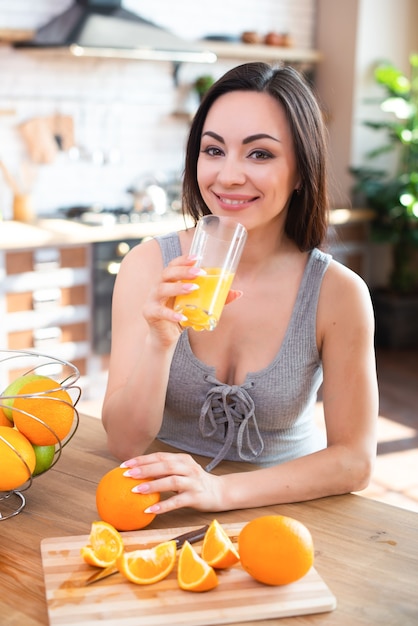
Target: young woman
295,319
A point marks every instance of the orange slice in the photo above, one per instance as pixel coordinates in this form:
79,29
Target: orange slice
193,573
218,549
149,565
105,545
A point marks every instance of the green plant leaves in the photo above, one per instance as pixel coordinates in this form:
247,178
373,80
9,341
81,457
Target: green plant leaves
393,79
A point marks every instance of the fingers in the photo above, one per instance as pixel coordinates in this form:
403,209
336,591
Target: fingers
174,282
174,473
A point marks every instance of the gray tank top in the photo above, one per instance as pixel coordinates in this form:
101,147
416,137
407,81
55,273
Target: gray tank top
270,418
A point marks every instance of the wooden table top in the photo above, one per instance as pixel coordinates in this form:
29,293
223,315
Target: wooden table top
366,551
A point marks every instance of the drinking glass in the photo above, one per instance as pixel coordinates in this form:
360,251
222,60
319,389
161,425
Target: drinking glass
217,243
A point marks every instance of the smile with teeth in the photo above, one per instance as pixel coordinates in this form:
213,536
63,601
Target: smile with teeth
234,202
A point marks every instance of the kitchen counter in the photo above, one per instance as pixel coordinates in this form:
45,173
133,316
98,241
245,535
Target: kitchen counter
50,232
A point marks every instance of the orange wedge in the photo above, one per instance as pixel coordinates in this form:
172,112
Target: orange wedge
193,573
149,565
218,549
105,545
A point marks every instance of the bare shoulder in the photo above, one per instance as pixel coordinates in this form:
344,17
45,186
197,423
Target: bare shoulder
147,252
345,301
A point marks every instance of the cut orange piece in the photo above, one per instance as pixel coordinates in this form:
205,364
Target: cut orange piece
149,565
105,545
193,573
218,549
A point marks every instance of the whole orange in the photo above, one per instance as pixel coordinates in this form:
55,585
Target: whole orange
275,549
4,420
118,506
17,459
50,411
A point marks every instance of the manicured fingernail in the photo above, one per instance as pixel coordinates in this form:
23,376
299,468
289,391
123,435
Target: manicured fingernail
197,271
190,287
152,509
133,473
179,317
127,463
142,488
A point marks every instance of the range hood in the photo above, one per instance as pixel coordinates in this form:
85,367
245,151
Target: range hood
102,28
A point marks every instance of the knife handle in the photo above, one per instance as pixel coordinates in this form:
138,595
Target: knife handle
191,536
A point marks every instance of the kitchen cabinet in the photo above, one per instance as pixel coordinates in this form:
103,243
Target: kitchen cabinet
45,303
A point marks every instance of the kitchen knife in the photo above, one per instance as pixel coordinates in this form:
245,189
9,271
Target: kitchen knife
191,536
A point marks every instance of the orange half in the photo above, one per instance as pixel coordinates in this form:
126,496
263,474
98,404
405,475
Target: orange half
193,573
149,565
218,549
105,545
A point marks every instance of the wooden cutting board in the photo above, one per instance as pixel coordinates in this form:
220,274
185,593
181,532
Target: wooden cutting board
115,600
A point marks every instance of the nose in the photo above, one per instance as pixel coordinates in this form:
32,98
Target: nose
231,171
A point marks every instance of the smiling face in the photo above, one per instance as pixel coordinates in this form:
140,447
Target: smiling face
246,165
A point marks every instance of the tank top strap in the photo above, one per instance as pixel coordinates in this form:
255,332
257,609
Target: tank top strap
170,246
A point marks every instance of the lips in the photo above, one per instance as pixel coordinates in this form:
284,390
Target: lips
234,201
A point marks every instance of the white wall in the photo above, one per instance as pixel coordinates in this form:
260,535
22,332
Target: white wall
118,104
354,35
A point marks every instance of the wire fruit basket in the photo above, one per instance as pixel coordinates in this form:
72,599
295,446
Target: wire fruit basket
38,418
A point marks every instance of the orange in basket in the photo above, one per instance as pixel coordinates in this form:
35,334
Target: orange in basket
148,565
4,420
218,549
17,459
48,404
193,573
105,545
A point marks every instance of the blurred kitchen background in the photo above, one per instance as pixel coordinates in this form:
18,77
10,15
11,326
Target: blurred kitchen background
119,121
92,148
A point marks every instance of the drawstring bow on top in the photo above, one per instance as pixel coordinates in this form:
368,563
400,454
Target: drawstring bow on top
232,406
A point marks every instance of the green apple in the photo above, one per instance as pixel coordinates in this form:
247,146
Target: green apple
44,458
13,390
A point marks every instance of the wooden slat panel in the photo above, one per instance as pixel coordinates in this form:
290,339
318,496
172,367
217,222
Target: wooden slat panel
74,332
70,296
20,340
19,302
73,296
80,364
74,257
19,262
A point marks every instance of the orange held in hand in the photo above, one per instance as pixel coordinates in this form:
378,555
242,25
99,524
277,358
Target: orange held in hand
275,549
148,565
17,459
117,505
218,549
105,545
46,415
193,573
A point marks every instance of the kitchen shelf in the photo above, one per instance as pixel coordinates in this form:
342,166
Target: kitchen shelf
259,52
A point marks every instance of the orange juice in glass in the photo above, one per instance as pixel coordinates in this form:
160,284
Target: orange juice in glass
217,243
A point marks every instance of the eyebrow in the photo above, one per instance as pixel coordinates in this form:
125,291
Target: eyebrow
245,141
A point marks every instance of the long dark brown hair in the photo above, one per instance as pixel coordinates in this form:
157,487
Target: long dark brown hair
307,215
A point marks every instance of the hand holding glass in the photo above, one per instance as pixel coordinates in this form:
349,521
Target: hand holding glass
217,243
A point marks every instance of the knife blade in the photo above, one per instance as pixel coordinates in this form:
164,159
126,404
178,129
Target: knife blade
192,536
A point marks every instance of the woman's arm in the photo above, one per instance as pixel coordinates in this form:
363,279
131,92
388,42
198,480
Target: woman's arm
144,335
345,329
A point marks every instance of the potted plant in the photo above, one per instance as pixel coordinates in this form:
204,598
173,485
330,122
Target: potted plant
393,196
202,84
